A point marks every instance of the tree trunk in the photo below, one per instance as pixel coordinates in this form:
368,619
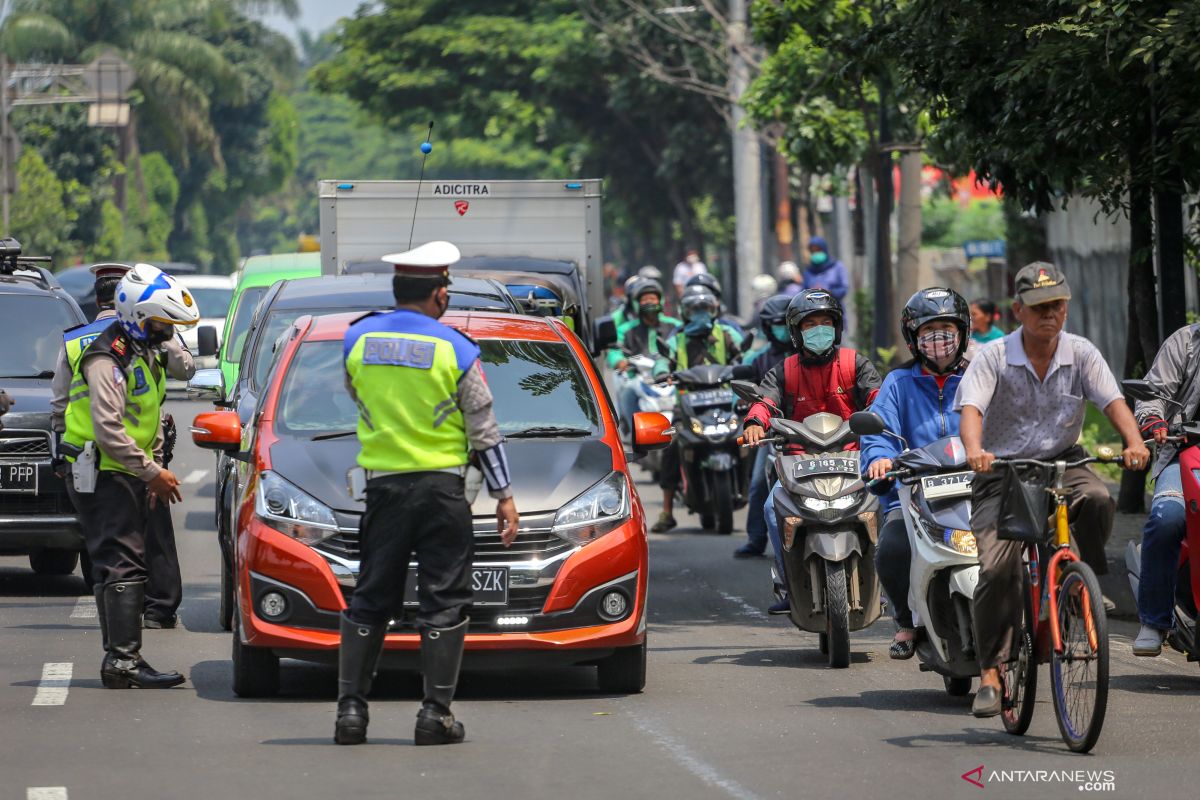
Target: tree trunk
785,234
883,316
908,256
1170,239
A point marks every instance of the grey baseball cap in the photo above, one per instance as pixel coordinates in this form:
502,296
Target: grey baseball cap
1041,282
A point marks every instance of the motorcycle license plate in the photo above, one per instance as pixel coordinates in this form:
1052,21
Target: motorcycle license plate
490,585
18,478
710,397
838,465
957,484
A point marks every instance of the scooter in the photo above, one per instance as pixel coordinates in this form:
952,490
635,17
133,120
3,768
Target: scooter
707,429
828,525
652,395
1187,587
944,569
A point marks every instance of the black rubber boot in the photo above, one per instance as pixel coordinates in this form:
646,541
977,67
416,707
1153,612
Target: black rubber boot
358,658
124,667
441,657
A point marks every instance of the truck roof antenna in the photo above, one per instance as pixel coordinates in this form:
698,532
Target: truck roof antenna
426,149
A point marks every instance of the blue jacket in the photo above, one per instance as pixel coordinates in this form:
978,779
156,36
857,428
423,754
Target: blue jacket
830,276
912,406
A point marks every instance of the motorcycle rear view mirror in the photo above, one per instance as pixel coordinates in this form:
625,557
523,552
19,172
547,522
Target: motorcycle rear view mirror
746,390
1146,391
866,423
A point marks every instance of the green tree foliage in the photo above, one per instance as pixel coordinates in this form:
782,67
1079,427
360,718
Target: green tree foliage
41,220
945,222
110,242
151,212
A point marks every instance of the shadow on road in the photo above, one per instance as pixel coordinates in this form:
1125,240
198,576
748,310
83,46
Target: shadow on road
779,657
982,737
1157,683
905,700
18,582
328,741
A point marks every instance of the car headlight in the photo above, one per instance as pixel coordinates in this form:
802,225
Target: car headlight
292,511
836,504
600,510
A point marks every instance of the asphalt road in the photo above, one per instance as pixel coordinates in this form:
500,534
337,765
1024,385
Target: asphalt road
737,704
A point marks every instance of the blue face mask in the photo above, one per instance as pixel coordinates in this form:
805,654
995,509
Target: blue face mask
818,258
781,334
819,339
700,323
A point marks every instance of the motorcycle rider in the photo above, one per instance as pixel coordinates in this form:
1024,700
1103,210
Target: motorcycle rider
731,324
700,341
916,402
821,376
772,323
1024,396
645,334
824,271
1174,372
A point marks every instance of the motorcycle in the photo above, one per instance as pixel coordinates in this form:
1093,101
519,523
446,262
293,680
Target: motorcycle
828,526
1183,637
652,395
944,569
707,427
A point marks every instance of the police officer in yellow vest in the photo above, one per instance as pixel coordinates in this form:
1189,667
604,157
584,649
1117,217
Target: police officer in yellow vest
113,427
164,587
423,408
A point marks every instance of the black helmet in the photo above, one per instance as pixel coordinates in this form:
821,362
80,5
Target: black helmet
774,312
698,298
705,280
645,286
932,304
813,301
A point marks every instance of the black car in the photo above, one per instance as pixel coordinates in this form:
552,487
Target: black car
283,304
36,515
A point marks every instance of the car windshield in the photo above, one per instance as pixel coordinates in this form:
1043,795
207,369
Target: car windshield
213,301
241,321
33,334
538,387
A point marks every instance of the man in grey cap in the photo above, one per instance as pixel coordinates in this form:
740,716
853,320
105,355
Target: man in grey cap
1025,397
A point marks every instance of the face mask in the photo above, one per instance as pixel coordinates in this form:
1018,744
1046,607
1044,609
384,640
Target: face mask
158,334
781,334
700,323
938,346
818,258
819,338
649,308
443,305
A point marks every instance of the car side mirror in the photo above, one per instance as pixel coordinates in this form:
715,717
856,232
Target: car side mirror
867,423
746,390
651,431
604,334
206,340
217,430
207,384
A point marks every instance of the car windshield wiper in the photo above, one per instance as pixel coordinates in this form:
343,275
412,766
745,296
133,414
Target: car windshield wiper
46,373
334,435
547,432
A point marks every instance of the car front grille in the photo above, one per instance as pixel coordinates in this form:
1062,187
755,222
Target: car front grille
25,504
527,601
17,444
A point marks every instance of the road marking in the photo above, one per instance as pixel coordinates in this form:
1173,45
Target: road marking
747,609
195,476
85,608
54,685
46,793
691,762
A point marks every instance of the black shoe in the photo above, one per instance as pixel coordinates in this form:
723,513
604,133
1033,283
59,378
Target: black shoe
749,551
123,666
987,702
155,622
358,658
434,727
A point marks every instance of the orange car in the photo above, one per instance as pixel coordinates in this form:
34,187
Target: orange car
570,590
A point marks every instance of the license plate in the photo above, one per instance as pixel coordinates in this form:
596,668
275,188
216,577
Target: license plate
957,484
18,478
839,465
711,397
490,585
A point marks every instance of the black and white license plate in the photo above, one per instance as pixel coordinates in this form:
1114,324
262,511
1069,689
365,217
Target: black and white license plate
711,397
490,585
18,478
956,484
837,465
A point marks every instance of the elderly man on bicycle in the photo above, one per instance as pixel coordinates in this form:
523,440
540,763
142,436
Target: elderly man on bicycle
1025,397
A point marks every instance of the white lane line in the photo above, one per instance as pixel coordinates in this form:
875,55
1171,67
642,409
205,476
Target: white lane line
746,609
195,476
692,762
55,683
85,608
46,793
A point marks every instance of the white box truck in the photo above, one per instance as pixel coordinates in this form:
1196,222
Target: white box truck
529,234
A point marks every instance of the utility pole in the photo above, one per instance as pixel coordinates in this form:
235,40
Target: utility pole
7,149
747,166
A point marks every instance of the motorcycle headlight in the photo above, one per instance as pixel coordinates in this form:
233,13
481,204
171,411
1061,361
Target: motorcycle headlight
719,429
292,511
961,541
836,504
697,427
601,509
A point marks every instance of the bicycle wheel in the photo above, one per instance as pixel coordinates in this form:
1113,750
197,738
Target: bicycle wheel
1080,673
1020,677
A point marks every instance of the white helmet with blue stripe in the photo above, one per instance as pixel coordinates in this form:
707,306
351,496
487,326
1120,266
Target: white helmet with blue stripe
147,293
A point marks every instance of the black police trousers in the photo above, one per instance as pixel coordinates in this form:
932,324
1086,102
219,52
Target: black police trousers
114,520
421,515
164,588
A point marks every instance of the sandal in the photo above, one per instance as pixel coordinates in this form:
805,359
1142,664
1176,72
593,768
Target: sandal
665,523
903,649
